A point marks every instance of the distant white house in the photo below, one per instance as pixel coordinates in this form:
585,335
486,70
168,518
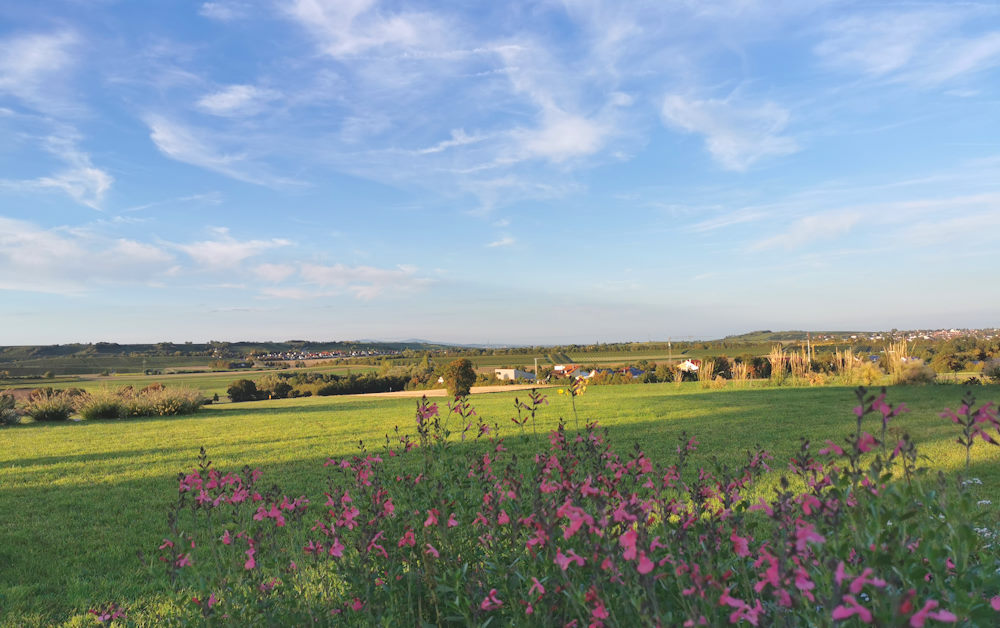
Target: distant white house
689,366
512,374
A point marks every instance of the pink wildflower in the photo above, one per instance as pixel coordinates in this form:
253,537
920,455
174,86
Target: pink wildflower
491,601
408,539
431,550
537,586
853,608
564,560
928,612
740,545
432,518
645,565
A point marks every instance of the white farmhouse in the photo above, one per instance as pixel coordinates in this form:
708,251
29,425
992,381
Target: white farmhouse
512,374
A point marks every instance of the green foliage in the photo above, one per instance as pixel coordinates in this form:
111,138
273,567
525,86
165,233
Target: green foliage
992,370
459,376
916,372
51,406
242,390
8,410
101,404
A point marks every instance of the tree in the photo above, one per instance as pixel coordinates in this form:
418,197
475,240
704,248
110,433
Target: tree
242,390
459,376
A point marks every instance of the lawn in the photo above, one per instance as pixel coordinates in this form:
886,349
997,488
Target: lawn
77,500
208,382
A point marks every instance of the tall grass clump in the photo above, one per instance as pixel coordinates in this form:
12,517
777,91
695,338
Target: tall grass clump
706,373
156,400
8,410
798,362
741,373
101,404
896,353
778,359
51,406
153,400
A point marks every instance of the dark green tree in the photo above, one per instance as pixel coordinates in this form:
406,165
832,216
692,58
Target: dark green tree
242,390
459,376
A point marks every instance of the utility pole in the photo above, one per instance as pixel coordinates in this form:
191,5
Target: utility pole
670,351
536,369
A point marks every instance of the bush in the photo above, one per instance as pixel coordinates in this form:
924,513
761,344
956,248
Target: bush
242,390
51,407
916,372
101,404
992,370
8,410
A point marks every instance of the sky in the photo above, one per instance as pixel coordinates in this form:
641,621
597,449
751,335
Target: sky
497,172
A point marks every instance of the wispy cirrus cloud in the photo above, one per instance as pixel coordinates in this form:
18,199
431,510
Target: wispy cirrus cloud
79,178
736,134
237,100
196,147
925,46
33,67
350,27
225,10
806,230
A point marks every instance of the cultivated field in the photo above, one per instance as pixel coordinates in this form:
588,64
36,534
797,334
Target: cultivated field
77,500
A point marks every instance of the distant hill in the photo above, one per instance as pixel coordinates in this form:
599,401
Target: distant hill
788,336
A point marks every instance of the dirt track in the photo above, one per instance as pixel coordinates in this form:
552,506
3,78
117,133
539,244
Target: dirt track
441,392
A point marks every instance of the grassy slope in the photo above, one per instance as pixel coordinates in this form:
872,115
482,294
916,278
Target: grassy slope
209,383
78,500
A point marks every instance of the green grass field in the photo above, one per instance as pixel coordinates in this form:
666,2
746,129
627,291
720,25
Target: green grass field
208,383
77,500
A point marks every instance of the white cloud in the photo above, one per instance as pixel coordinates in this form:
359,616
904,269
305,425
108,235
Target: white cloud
924,47
191,146
80,179
31,67
366,282
237,100
36,259
504,241
274,272
736,135
458,138
225,10
226,251
808,229
563,136
349,27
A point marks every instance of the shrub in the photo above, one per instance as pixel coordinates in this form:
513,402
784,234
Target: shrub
914,372
992,370
101,404
51,407
8,410
242,390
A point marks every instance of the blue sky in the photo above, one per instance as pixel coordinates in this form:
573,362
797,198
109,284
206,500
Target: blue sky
514,172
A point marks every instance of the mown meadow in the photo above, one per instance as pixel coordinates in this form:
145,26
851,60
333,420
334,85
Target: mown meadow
78,500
